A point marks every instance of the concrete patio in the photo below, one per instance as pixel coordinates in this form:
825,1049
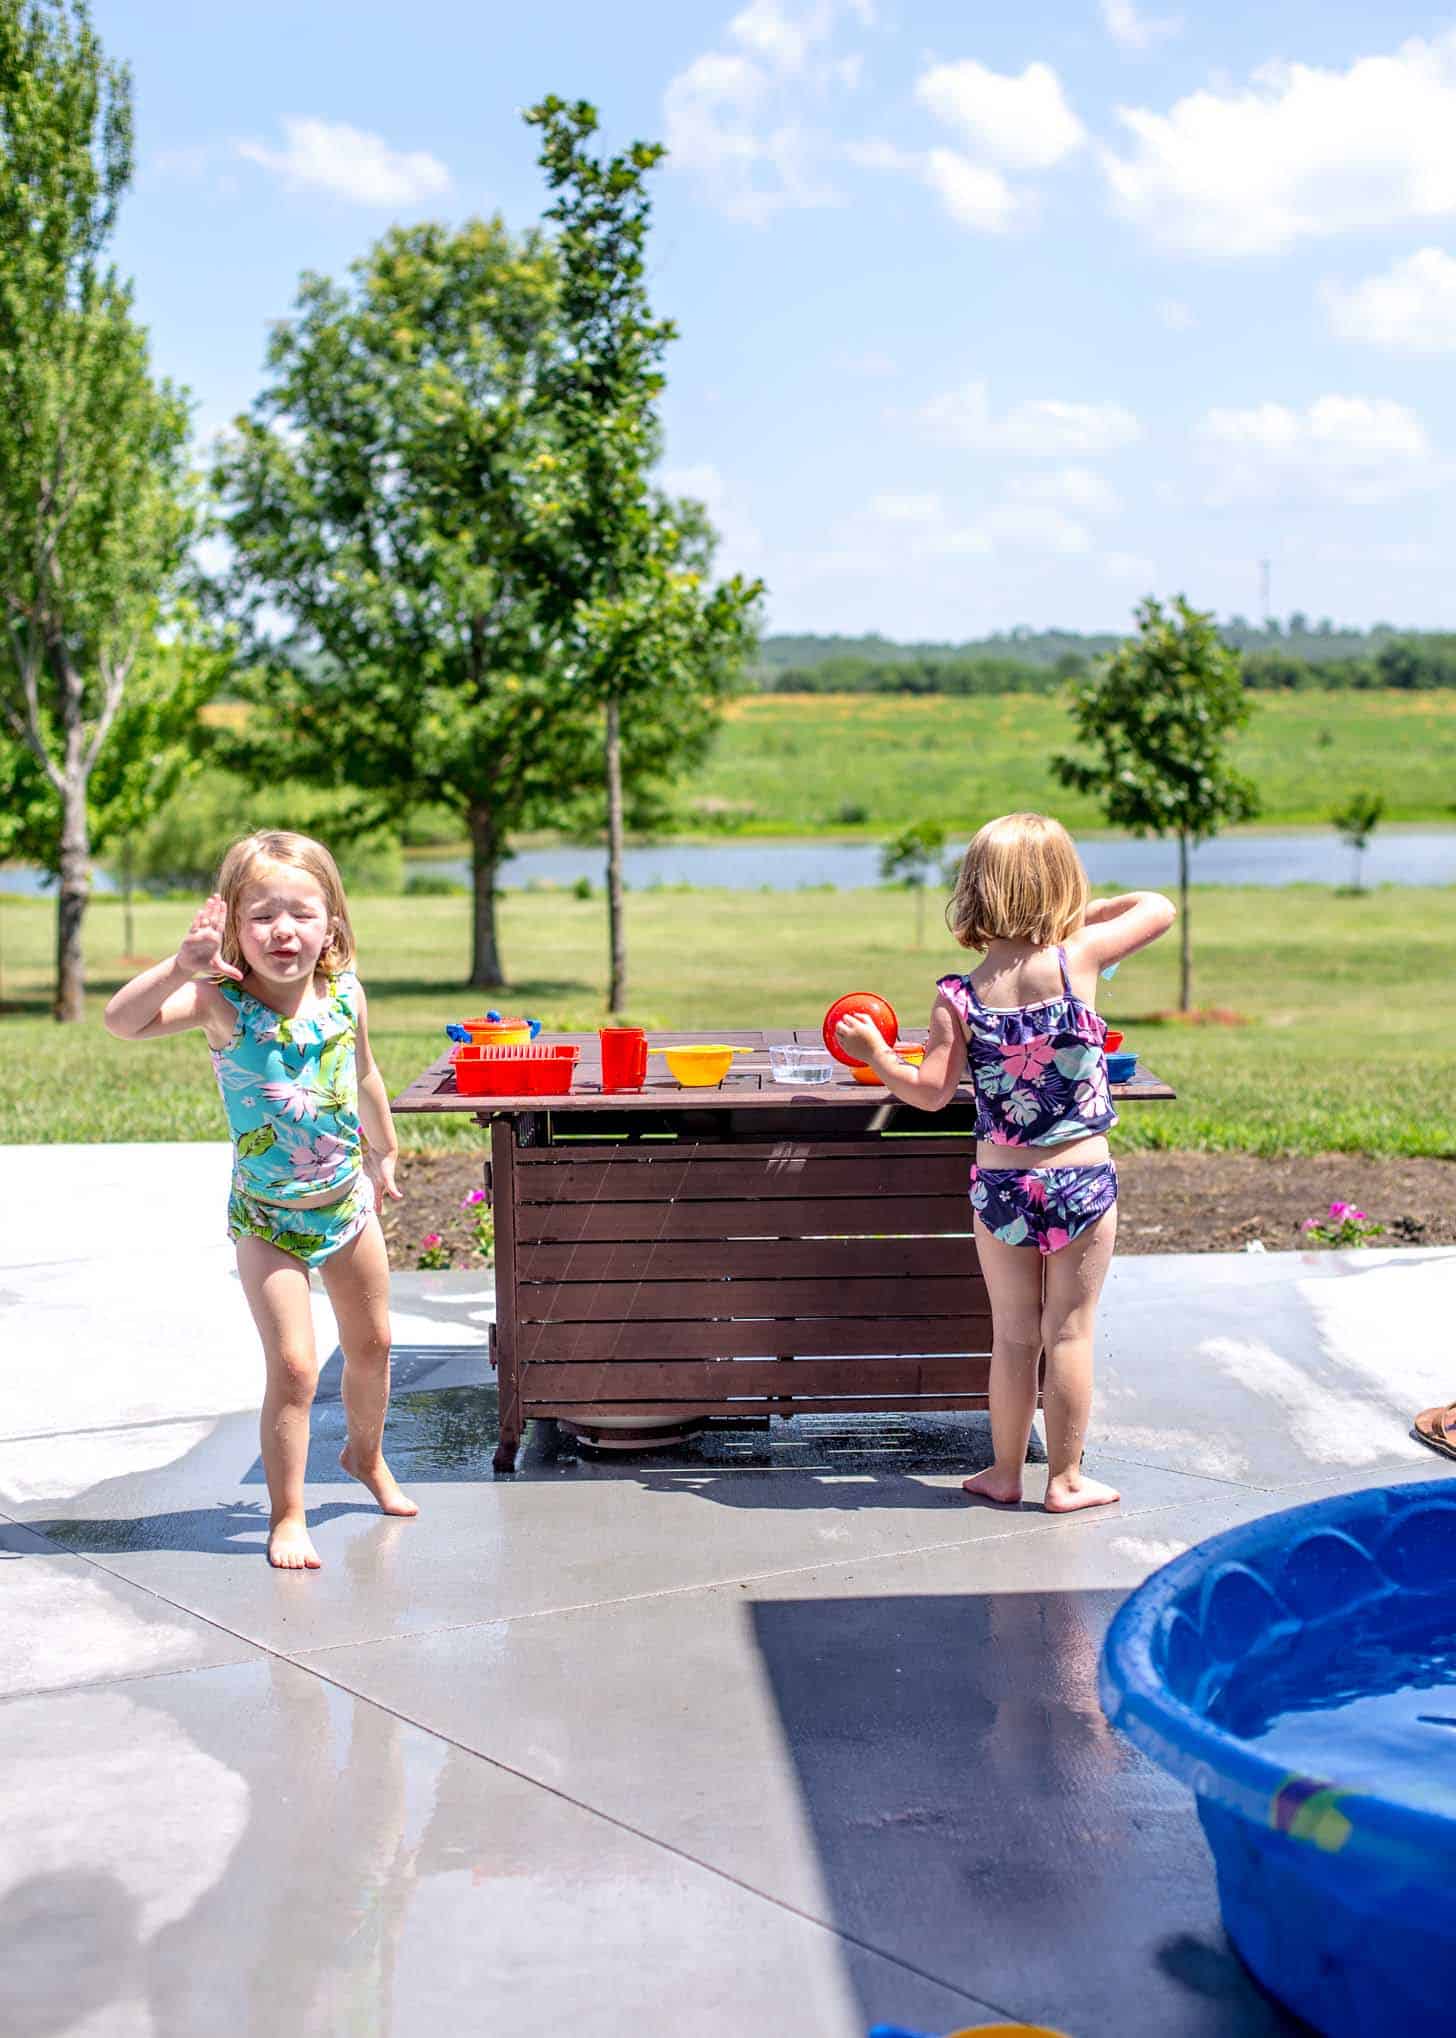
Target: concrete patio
773,1735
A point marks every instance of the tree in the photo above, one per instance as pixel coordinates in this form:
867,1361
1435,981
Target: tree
912,858
1158,714
611,549
155,745
94,514
1356,821
378,499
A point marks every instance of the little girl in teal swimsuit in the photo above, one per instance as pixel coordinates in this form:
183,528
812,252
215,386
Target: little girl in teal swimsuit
266,971
1043,1187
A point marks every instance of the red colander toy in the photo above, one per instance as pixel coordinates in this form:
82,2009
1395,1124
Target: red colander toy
864,1004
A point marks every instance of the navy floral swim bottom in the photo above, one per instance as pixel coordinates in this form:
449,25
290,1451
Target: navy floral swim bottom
1044,1207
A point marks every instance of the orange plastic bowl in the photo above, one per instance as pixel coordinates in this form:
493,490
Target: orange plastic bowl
863,1073
1113,1041
868,1005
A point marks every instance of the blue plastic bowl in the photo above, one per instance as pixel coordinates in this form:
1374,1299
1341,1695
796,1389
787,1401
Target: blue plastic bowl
1300,1674
1121,1067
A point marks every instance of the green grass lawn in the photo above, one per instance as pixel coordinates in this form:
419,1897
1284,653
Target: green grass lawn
1350,1045
791,764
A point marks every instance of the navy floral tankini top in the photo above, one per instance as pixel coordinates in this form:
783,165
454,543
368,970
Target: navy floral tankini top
1040,1071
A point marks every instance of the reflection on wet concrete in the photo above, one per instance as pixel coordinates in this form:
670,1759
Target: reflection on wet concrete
970,1805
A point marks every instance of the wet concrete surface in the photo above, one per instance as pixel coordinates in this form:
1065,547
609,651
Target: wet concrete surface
769,1733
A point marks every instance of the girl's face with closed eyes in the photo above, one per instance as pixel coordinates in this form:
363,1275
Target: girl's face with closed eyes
283,924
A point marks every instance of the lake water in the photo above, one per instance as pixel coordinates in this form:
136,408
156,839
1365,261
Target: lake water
1413,856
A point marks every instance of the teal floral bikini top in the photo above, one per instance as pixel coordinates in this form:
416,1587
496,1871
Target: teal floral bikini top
290,1088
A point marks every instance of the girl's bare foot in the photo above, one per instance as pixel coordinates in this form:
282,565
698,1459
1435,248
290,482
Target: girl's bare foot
380,1481
290,1547
1066,1496
1002,1487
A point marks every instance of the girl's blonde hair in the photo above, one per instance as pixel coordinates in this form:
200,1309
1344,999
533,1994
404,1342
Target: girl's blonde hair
1021,880
294,852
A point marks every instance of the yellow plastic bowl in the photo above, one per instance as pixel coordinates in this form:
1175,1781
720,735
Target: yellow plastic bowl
698,1068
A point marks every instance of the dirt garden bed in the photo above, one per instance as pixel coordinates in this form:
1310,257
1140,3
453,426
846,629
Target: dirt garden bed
1171,1202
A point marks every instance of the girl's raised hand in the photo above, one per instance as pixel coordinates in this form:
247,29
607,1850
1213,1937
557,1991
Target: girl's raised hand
858,1034
199,952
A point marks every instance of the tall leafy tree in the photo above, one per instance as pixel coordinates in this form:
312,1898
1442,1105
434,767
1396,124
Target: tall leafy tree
647,637
377,502
1156,717
94,512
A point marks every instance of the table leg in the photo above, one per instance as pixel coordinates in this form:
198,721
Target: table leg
508,1379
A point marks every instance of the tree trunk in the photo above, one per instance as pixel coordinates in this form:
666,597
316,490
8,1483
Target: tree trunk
70,1005
1185,960
485,962
617,932
128,930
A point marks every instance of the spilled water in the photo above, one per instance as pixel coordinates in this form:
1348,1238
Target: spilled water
1368,1703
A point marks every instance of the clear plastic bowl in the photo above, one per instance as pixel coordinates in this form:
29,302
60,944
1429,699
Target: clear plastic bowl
801,1065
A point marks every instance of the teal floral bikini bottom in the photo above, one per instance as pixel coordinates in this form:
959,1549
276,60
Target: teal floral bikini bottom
1044,1207
308,1235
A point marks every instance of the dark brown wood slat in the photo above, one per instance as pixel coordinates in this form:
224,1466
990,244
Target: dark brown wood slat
700,1301
912,1216
750,1259
663,1176
967,1403
823,1337
739,1150
694,1380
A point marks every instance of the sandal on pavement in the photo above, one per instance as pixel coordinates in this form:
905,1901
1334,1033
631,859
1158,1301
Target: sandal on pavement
1437,1427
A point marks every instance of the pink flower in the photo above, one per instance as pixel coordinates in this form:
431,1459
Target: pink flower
475,1196
1026,1060
316,1160
431,1238
1339,1210
1359,1217
294,1100
1310,1224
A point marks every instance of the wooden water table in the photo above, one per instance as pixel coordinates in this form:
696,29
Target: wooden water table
671,1254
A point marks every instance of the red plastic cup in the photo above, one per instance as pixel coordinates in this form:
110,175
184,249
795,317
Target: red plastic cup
624,1057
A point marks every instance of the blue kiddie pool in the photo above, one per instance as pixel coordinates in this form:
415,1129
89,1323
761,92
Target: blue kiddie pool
1299,1674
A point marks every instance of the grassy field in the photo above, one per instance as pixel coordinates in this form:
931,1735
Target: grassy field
794,764
1349,1045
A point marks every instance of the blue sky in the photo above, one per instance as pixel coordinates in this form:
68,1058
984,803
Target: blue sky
986,318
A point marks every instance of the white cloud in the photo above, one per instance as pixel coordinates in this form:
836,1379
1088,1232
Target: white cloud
328,155
1134,31
1033,527
1411,308
1347,449
1073,488
1044,427
1176,316
1023,122
734,118
1130,566
973,195
1016,527
1298,153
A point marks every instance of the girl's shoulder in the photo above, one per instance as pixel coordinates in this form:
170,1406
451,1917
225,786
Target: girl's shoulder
957,992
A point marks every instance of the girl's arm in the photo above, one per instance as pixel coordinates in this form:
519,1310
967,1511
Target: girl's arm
169,998
1118,927
934,1083
381,1149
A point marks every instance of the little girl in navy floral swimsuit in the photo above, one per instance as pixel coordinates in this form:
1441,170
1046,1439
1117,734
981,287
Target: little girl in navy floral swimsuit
265,970
1043,1187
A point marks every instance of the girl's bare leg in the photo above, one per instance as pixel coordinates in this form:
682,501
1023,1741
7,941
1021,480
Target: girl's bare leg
1074,1278
357,1280
1013,1276
276,1286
